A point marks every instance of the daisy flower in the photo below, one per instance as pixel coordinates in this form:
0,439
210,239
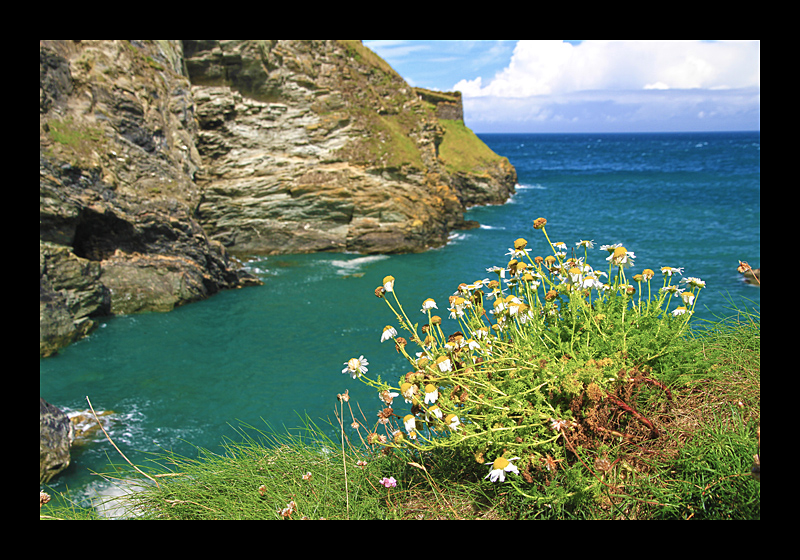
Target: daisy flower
499,306
478,284
356,366
518,253
669,271
591,281
610,248
388,332
694,282
432,412
458,304
408,391
481,333
428,304
431,394
388,283
410,423
500,467
452,422
674,290
621,257
444,363
501,272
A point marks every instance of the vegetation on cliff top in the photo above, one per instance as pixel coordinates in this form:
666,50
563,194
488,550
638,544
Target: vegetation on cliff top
462,151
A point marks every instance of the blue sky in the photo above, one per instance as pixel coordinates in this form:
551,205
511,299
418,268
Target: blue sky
589,86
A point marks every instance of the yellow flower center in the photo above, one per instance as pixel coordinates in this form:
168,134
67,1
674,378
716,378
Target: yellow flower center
500,463
620,252
429,388
353,364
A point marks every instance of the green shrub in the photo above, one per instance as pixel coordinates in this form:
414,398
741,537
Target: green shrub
551,356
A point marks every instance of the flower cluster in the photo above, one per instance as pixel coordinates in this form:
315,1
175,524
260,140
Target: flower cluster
528,342
388,482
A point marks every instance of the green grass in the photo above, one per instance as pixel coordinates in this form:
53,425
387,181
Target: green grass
462,151
699,467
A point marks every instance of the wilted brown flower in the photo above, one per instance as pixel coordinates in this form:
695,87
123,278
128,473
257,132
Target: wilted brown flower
602,464
743,267
539,223
549,463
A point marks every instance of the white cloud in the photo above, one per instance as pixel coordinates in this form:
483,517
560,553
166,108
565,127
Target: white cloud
549,67
619,82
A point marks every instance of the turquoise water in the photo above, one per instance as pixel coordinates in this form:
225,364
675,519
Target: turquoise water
276,351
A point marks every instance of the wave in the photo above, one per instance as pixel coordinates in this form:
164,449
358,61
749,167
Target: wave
525,187
484,226
348,266
455,237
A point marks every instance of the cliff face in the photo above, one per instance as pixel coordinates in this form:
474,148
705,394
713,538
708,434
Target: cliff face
321,146
117,197
159,157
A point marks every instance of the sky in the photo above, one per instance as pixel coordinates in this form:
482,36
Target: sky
589,86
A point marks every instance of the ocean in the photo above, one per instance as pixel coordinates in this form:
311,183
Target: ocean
268,356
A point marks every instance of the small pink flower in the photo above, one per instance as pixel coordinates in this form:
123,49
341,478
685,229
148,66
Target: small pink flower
389,482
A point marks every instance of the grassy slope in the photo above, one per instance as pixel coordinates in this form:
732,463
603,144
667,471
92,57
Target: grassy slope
698,469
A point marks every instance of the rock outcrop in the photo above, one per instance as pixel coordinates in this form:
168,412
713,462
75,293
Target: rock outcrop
56,433
321,146
158,159
117,196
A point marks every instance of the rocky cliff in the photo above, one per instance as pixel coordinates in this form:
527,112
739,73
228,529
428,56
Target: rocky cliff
159,158
117,197
321,146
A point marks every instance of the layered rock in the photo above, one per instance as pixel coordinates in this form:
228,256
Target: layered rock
321,146
158,158
117,160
